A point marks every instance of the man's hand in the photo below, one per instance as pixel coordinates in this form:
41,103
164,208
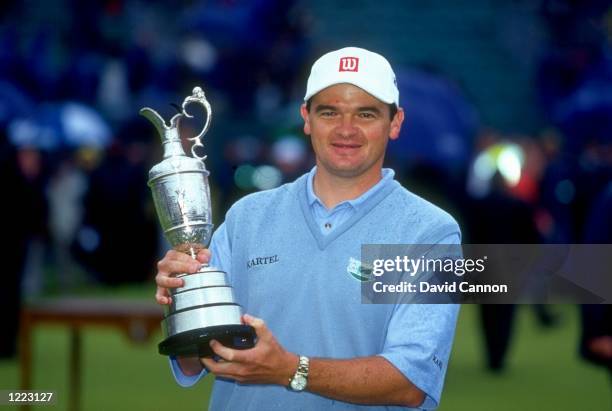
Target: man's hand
266,363
172,264
364,380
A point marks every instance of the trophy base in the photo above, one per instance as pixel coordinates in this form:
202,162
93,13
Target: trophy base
196,342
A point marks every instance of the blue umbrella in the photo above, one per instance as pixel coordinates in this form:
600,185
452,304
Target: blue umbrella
40,128
439,123
83,126
55,126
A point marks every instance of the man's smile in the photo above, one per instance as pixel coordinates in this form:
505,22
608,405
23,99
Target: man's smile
345,147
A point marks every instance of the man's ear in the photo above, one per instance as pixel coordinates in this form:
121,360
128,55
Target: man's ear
304,114
396,124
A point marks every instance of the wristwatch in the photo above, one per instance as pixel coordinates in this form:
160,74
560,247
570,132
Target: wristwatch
300,379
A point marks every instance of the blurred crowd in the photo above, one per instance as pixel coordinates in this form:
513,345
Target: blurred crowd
75,155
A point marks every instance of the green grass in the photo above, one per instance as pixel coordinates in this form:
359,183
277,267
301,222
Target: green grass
544,371
117,374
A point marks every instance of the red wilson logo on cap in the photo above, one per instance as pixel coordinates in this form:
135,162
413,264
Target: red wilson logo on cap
349,64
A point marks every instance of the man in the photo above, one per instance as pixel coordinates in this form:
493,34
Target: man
318,346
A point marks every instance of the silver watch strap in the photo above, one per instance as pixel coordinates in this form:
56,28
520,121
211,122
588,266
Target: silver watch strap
303,366
302,369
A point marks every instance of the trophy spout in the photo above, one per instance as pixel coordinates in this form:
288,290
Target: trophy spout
157,120
168,133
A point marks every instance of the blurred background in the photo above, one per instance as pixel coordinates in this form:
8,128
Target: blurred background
508,127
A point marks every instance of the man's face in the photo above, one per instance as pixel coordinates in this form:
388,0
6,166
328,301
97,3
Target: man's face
349,130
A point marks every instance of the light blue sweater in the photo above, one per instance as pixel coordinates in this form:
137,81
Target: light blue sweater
287,272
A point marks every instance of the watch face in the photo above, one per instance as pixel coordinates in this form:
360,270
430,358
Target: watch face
298,383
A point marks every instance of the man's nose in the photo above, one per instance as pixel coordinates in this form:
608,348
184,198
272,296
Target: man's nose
346,128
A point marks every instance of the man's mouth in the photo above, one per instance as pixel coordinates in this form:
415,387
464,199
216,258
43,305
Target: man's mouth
346,145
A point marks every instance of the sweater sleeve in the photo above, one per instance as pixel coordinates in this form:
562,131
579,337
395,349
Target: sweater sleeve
420,350
419,341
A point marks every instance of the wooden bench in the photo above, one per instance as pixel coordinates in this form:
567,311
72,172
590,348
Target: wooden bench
138,319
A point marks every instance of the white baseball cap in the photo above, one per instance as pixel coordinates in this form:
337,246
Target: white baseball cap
362,68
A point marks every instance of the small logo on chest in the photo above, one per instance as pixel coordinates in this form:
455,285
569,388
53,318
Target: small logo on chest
358,271
262,261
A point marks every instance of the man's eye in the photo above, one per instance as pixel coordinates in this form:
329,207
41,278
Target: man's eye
367,115
328,113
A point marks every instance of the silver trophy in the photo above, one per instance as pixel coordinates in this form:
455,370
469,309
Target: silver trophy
205,307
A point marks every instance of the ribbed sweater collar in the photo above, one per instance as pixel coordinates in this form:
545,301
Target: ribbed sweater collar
364,208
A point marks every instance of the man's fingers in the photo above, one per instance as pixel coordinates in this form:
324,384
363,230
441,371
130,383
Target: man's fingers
258,324
177,262
178,266
208,363
254,322
164,280
162,296
172,264
204,256
177,255
228,354
221,369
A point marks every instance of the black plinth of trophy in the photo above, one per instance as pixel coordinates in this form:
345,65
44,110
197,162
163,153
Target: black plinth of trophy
197,342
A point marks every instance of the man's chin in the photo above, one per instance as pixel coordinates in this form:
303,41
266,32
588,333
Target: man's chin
346,171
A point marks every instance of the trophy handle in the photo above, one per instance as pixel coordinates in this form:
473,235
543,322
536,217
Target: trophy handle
199,97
